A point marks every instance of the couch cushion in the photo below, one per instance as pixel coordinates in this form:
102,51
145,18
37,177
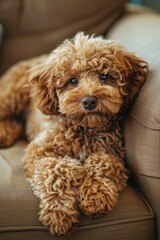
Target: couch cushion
132,217
36,27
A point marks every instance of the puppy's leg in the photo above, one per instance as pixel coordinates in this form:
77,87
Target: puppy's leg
14,95
10,131
105,178
55,181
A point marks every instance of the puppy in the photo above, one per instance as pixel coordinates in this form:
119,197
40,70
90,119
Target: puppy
74,101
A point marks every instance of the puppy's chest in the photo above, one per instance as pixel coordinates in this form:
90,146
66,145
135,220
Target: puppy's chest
86,142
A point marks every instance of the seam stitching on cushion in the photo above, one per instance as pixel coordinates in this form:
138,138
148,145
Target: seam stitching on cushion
153,129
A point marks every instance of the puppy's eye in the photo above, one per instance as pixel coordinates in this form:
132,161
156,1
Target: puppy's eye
73,81
105,78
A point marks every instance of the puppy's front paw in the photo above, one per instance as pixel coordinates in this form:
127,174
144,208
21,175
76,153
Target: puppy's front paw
96,197
58,221
105,177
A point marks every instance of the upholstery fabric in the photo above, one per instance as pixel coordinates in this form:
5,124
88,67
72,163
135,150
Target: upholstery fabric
142,129
19,209
36,27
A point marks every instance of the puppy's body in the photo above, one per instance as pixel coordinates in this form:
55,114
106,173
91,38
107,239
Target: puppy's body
75,158
81,141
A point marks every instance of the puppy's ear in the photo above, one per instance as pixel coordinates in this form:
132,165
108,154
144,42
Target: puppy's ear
43,93
134,76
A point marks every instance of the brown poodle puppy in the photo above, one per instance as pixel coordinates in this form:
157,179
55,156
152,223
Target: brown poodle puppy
75,159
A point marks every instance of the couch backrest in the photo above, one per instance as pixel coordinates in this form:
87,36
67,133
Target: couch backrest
35,27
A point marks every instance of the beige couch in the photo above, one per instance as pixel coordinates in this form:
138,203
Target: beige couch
35,27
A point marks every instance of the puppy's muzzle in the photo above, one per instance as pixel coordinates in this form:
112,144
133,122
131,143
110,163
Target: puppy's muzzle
89,102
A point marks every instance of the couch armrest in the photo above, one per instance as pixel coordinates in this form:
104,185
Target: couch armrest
139,31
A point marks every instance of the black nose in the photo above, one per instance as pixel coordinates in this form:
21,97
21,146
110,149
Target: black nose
89,102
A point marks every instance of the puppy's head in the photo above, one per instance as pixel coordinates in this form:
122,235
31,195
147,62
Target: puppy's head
88,80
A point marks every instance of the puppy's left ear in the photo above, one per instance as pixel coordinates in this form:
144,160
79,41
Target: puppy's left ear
134,76
43,92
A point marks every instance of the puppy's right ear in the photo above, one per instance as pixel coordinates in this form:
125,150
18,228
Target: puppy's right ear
42,84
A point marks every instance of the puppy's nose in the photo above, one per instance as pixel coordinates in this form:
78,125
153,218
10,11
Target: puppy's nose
89,102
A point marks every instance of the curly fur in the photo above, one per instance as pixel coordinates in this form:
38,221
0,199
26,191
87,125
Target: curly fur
75,161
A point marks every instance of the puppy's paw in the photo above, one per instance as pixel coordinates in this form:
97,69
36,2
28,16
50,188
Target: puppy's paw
57,221
9,132
97,197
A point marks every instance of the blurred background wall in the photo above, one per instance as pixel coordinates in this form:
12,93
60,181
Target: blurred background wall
155,4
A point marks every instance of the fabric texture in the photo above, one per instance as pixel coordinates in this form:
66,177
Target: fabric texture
33,29
142,128
19,209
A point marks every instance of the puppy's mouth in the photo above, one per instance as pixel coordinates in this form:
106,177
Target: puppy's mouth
90,118
94,119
